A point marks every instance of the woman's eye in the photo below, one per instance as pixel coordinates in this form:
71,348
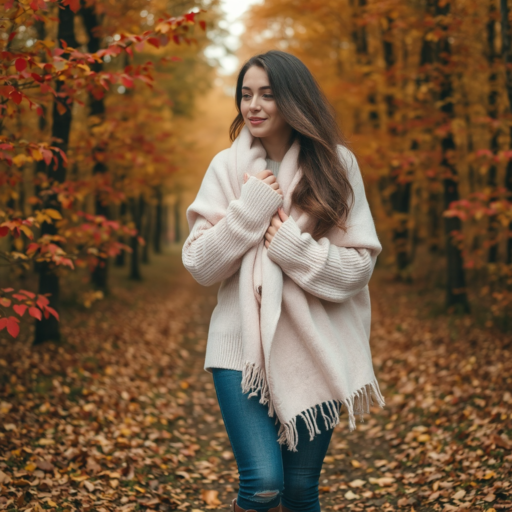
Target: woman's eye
268,96
245,96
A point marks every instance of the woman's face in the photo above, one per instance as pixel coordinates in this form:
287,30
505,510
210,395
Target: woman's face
258,106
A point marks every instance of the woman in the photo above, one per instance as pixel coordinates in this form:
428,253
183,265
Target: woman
281,219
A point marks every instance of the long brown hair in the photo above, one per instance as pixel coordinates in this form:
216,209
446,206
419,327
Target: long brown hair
324,190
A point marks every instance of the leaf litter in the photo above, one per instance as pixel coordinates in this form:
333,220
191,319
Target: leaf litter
122,416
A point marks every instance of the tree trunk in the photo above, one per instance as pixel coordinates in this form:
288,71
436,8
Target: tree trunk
147,234
456,293
121,257
48,328
137,211
158,228
99,275
177,221
507,60
493,98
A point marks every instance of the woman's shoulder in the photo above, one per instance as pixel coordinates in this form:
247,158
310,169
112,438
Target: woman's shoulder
221,158
350,162
345,154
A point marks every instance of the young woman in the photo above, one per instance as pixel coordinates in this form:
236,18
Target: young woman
282,221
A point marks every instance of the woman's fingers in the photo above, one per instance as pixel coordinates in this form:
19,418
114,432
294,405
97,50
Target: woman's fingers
281,214
264,174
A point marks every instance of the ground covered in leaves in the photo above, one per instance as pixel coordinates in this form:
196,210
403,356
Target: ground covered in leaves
120,416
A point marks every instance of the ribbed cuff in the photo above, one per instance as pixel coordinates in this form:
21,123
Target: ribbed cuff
260,197
285,242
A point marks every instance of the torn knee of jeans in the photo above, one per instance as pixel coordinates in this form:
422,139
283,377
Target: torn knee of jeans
264,496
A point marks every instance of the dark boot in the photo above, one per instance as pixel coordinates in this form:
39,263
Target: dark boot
236,508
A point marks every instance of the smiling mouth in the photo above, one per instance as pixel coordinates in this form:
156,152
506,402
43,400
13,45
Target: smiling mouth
256,120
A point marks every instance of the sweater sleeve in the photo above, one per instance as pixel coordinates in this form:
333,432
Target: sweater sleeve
326,271
332,272
213,253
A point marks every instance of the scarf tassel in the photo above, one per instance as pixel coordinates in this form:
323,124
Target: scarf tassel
254,382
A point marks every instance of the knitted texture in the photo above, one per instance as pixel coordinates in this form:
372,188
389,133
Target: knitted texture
295,318
273,166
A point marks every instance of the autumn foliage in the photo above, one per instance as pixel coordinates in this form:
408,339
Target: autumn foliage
85,141
424,92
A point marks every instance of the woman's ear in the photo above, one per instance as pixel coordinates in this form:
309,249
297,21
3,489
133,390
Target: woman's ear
246,177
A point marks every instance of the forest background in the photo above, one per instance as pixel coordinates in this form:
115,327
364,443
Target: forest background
111,112
433,142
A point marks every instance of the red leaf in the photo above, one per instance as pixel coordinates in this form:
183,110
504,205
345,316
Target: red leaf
20,309
202,24
12,36
20,64
127,81
154,41
30,295
42,301
16,96
74,5
7,290
12,325
52,311
4,231
190,16
4,301
36,313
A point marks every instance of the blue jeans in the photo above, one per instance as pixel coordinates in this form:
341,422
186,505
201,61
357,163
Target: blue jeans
268,474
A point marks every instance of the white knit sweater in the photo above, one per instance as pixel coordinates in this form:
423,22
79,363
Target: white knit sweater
294,318
331,273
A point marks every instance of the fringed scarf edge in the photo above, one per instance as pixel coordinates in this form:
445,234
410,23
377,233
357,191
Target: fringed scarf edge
254,382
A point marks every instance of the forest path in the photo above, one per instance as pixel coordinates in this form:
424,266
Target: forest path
122,416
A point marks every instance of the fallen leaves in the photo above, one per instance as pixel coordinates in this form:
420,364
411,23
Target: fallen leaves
124,418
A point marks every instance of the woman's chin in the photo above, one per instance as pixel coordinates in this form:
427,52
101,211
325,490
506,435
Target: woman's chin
258,132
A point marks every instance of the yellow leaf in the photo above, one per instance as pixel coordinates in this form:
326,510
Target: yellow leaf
19,160
357,483
36,154
54,214
85,67
349,495
27,231
30,467
423,438
355,463
140,489
489,474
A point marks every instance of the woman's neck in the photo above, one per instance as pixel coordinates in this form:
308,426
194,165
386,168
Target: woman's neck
277,146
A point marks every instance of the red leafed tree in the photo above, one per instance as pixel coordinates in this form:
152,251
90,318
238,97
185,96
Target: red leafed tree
53,227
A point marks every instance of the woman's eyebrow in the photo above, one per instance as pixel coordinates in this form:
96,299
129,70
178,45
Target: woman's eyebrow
261,88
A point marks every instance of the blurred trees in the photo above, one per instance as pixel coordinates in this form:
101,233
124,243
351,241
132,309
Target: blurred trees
424,91
88,182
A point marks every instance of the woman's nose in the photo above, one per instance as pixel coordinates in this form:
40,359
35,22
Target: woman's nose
254,104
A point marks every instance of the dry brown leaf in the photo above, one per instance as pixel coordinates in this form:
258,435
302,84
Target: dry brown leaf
210,497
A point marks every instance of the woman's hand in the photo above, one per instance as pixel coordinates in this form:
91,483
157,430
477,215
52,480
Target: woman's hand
267,177
275,224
